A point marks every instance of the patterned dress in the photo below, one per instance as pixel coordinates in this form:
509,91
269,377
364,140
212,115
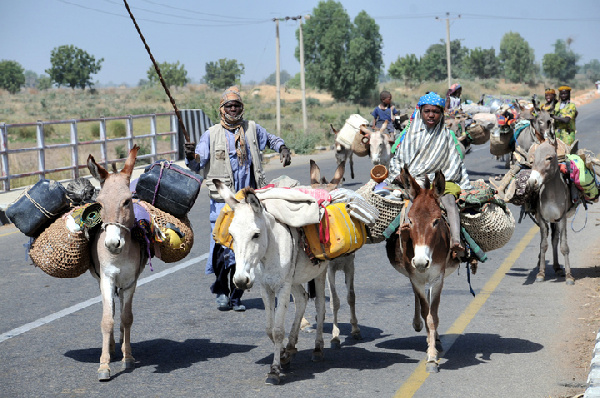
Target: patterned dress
565,131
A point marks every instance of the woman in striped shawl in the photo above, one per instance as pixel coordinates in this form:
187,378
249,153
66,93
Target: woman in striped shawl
429,146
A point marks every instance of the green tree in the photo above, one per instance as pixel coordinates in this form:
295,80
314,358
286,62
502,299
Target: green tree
406,68
482,63
516,58
224,73
12,76
592,70
73,67
284,76
31,79
434,66
173,74
44,82
562,64
341,57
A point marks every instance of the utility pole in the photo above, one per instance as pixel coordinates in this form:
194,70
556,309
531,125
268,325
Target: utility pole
277,78
448,63
302,81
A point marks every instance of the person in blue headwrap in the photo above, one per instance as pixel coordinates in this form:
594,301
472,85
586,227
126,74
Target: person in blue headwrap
429,146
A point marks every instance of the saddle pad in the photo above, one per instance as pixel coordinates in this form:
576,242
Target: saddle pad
337,233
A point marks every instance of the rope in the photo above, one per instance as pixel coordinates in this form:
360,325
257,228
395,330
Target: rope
162,81
573,220
45,212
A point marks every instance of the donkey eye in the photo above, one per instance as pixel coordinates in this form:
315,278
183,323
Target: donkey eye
256,235
127,202
435,222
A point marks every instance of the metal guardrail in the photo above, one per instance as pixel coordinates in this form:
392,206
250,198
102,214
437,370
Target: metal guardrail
75,144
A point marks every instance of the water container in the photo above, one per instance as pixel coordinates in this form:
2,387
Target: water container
39,207
346,135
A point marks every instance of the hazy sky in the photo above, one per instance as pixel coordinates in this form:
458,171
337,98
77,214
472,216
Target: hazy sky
197,32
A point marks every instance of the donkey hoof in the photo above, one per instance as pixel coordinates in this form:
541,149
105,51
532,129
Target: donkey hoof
128,363
104,375
272,379
570,281
357,336
539,278
432,367
335,344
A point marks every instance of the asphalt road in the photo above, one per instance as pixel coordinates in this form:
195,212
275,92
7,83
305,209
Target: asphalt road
500,343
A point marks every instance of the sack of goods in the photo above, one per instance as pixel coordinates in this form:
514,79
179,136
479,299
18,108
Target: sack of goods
350,130
500,141
491,227
173,237
221,233
168,187
38,207
338,233
59,252
389,207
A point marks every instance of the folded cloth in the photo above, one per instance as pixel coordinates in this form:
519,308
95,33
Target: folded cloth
290,206
356,205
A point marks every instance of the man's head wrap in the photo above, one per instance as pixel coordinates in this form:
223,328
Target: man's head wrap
232,123
432,99
550,91
454,88
564,88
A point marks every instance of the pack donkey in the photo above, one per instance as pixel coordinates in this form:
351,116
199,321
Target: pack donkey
270,253
117,259
421,251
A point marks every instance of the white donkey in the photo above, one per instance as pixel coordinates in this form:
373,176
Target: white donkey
117,259
271,253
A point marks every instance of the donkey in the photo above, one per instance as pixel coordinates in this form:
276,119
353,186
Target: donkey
271,253
421,251
117,259
552,207
343,263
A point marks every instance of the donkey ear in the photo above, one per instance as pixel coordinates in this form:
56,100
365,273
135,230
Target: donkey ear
226,194
339,174
413,186
130,162
332,130
253,201
315,173
97,171
439,183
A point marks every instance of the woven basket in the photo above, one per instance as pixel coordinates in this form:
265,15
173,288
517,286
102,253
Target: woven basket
359,147
59,252
168,253
491,228
500,144
388,210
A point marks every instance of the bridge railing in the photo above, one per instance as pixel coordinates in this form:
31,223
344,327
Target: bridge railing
149,134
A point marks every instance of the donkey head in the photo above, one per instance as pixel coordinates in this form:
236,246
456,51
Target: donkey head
545,164
318,182
426,228
250,231
116,200
379,145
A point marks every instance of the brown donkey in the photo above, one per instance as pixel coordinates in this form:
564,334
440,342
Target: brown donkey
422,253
117,259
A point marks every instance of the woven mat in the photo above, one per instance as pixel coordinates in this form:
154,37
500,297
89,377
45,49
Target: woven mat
388,210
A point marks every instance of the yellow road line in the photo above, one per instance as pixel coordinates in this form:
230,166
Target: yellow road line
418,377
9,233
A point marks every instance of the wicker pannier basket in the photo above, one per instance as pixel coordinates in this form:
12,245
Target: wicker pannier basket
171,253
491,228
359,148
59,252
388,210
500,144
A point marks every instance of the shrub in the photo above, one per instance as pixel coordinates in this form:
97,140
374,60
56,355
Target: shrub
117,129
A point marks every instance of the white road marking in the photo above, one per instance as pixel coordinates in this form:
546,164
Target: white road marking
74,308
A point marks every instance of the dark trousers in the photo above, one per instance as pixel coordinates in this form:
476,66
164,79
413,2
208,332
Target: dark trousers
224,276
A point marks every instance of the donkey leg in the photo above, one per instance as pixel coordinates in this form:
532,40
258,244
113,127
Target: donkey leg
320,308
334,303
351,161
126,297
543,247
417,323
300,301
555,235
564,249
351,298
107,325
433,341
278,332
